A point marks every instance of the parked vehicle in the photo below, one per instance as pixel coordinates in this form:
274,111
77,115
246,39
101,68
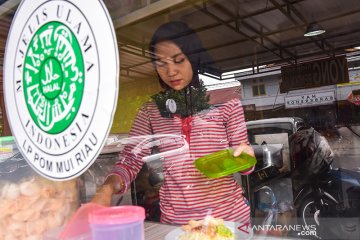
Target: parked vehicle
269,187
326,198
270,140
332,203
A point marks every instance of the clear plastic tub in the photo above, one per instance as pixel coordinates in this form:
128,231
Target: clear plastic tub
118,223
31,205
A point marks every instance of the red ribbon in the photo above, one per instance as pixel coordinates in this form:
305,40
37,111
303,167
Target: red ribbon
186,125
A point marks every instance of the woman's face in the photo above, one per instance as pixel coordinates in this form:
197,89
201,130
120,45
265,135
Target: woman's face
172,65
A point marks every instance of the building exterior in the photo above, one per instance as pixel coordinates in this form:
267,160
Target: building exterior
324,106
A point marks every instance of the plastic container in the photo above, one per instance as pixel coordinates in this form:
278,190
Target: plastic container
7,148
223,163
118,223
78,227
31,205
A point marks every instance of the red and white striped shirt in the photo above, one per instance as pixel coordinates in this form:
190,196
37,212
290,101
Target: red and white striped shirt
186,193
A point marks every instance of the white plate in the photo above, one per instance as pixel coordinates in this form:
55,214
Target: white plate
233,226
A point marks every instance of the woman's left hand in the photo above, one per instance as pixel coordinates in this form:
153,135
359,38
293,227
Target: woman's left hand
243,147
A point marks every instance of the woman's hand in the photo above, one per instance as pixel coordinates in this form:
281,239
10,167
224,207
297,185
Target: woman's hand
104,194
243,147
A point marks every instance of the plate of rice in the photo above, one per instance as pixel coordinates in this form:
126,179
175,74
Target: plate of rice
209,228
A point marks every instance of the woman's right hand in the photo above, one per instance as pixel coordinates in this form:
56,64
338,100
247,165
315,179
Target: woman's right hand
103,195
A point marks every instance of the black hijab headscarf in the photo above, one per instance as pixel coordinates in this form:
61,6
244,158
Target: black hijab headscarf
189,43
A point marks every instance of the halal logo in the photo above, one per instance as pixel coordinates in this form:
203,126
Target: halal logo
53,77
61,83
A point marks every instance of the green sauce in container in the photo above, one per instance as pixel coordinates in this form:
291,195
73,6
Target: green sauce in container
223,163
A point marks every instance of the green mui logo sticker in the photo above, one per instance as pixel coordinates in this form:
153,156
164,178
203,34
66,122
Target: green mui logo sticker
53,77
61,83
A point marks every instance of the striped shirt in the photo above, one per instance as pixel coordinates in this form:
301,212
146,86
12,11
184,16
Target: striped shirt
186,193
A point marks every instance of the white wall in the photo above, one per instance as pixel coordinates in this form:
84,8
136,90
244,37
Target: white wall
274,98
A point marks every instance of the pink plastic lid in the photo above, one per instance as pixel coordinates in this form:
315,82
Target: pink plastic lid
78,225
117,215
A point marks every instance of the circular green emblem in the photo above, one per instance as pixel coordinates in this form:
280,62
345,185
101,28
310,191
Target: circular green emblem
53,77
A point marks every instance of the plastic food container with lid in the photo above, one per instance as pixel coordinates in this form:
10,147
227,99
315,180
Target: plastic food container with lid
223,163
118,223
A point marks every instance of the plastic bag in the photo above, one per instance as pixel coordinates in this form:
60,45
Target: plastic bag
272,215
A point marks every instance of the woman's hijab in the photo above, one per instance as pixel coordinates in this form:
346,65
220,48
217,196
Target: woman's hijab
190,44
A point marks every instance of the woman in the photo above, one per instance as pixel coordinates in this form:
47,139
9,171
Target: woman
186,194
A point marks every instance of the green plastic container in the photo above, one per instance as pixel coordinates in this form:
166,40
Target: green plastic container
223,163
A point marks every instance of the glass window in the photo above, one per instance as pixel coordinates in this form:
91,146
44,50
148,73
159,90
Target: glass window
258,87
181,64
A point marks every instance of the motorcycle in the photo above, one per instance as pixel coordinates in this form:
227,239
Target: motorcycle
331,203
325,198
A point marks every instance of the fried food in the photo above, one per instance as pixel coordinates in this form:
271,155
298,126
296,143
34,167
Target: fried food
34,205
208,229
